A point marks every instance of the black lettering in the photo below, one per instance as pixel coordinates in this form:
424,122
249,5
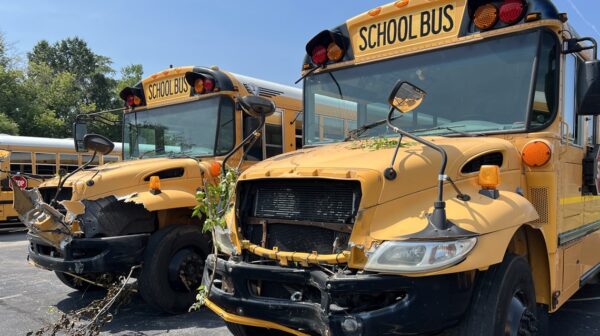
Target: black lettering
185,85
176,85
361,33
411,35
381,28
425,23
372,44
403,29
449,18
392,31
436,24
150,91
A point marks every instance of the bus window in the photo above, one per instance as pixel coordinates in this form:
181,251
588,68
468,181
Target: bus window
299,124
545,96
20,162
86,157
333,128
570,117
226,135
45,163
68,162
255,153
111,159
274,135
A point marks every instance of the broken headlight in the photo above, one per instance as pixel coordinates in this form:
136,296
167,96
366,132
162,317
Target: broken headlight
415,257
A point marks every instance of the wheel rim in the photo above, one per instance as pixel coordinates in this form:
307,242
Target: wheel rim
518,315
185,270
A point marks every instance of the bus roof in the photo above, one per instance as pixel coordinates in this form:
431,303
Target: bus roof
268,89
38,142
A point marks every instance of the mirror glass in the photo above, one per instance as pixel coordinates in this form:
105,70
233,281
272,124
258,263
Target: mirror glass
257,107
406,97
79,132
98,143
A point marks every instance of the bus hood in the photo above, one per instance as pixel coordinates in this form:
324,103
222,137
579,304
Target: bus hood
417,165
119,178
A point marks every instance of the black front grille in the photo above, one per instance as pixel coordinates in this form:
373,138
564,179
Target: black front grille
49,193
299,215
317,201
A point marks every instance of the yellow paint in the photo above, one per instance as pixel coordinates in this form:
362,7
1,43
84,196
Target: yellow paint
166,86
232,318
398,26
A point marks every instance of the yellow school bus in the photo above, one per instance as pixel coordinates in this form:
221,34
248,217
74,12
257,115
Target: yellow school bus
466,197
34,160
179,125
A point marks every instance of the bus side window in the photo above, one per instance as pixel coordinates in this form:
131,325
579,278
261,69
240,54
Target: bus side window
298,130
21,162
86,157
273,135
68,162
45,164
575,124
255,153
226,131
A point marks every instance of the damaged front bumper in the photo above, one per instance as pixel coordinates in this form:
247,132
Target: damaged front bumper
312,302
89,255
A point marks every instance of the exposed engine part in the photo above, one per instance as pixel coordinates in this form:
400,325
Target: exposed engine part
109,217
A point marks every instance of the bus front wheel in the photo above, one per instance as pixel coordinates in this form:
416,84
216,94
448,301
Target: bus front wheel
504,301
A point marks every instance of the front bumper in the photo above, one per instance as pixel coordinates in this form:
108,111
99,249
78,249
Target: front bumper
89,255
400,305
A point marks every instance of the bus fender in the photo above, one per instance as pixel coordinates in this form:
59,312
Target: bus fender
164,200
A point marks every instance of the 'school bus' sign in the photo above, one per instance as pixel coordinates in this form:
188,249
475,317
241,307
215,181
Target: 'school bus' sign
422,22
166,86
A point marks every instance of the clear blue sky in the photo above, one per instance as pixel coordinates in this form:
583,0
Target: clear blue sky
262,38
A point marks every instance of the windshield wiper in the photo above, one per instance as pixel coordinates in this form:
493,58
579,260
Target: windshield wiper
355,133
451,129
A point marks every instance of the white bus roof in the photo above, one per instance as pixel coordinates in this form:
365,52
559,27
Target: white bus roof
38,142
268,89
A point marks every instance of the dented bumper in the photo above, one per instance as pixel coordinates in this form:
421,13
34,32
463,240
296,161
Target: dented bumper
324,304
89,255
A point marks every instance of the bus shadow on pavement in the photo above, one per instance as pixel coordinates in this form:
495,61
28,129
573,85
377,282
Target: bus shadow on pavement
141,317
580,316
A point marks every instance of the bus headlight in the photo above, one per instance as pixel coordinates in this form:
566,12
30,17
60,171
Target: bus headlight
416,257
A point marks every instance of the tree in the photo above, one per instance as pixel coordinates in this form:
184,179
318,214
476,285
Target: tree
7,125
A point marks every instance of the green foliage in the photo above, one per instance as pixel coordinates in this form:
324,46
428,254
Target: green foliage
215,200
200,298
378,143
58,82
8,126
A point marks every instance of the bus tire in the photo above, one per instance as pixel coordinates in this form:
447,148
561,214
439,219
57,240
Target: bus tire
242,330
174,253
503,299
75,283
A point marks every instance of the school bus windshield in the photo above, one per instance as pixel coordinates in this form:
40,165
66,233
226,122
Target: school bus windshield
199,128
482,87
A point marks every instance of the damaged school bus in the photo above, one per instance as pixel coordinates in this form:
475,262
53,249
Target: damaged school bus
178,126
464,196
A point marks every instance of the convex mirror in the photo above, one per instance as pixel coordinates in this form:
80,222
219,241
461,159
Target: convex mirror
98,143
588,88
406,97
257,107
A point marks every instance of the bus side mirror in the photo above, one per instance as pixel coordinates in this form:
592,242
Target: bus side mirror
406,97
79,132
257,107
98,143
588,88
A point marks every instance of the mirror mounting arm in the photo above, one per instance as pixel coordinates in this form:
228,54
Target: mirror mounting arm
62,180
573,45
240,145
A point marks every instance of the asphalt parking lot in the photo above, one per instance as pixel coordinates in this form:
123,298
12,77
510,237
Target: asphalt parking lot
27,296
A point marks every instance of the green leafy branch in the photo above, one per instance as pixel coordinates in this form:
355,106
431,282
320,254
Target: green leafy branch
378,143
213,203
